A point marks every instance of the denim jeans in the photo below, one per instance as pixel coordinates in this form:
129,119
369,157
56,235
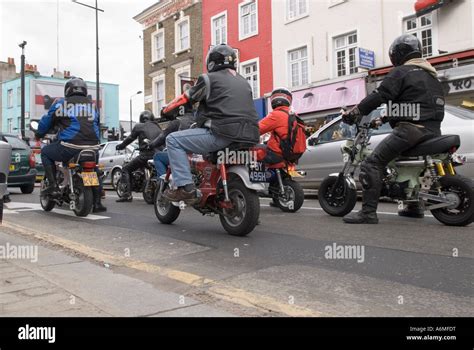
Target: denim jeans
180,143
55,152
162,161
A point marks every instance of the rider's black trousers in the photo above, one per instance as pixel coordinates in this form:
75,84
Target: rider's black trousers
404,136
136,163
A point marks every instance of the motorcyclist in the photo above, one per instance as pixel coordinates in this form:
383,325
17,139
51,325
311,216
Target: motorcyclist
412,82
276,122
146,130
226,114
78,123
182,120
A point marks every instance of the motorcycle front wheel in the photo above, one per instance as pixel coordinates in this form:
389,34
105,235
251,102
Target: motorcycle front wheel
165,211
242,218
460,190
149,191
339,200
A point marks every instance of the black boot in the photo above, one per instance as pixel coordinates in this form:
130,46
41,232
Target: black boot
6,198
413,210
368,214
51,188
98,207
125,187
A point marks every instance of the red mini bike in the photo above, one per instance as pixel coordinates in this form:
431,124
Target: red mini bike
224,189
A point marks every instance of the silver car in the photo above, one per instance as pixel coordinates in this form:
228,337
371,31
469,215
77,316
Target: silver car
323,155
112,160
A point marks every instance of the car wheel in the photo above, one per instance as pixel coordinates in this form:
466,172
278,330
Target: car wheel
27,189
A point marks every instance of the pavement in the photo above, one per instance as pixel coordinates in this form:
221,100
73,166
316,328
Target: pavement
124,262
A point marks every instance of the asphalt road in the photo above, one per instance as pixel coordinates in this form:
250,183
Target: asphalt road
404,267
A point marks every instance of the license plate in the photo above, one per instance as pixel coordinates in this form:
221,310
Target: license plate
12,167
90,179
257,172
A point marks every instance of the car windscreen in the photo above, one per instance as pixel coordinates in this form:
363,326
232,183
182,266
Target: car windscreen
15,142
460,112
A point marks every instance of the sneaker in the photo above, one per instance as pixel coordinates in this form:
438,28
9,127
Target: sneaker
179,195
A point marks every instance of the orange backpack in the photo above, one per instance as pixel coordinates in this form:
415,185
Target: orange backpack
295,144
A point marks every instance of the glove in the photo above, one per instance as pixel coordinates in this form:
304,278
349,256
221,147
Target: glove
162,112
120,147
350,117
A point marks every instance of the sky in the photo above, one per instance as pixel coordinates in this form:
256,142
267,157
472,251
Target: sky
121,48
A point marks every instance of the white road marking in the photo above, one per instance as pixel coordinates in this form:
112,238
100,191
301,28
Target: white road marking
18,207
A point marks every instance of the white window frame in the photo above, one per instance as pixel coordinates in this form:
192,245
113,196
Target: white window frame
18,129
177,39
154,57
298,15
242,72
18,96
10,98
288,66
332,3
213,32
10,125
251,34
346,49
419,29
179,69
155,80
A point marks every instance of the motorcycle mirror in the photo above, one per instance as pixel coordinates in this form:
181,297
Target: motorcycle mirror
34,125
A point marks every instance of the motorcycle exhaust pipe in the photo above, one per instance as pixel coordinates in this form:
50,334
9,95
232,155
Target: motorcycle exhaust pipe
410,163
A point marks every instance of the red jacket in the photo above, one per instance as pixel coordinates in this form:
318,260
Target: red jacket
275,122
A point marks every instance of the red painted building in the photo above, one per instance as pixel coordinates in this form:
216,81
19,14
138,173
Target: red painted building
246,25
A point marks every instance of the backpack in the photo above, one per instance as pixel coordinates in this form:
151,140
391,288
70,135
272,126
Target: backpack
295,144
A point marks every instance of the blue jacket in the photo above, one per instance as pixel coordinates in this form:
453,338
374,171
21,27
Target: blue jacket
76,119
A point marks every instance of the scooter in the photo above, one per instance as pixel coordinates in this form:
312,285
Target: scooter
425,173
223,189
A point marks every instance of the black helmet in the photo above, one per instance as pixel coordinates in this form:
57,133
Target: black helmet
146,116
281,97
75,87
404,48
220,57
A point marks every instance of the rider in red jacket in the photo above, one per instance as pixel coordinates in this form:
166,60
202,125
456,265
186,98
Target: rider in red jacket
276,122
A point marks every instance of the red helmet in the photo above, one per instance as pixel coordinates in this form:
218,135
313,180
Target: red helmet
281,97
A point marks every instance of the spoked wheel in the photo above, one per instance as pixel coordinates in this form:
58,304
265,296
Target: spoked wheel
46,202
83,198
149,191
242,218
115,177
165,211
292,200
459,190
339,200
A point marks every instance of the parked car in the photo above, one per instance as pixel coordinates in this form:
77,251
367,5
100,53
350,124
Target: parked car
112,160
323,155
23,165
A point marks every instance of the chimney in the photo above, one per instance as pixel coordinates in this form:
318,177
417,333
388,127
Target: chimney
11,61
67,74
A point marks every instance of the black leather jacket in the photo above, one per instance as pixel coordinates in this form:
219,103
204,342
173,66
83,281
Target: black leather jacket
182,123
149,130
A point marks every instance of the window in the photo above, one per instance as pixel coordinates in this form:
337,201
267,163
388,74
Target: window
219,29
18,95
345,47
15,142
10,125
158,45
182,40
158,93
248,24
296,9
422,28
10,98
298,66
181,73
250,71
110,150
337,132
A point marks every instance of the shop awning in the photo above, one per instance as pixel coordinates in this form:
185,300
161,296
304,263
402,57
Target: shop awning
422,7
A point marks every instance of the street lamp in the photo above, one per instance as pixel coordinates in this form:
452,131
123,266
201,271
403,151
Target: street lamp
137,93
97,100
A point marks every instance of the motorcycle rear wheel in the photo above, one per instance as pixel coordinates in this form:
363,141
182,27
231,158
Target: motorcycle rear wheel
339,202
463,189
46,202
294,192
243,217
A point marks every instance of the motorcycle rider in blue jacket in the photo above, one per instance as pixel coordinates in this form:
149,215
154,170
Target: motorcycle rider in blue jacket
78,124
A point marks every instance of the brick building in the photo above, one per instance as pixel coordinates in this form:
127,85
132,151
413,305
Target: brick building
172,47
7,72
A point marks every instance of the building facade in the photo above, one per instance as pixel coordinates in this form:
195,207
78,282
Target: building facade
246,26
40,92
172,49
7,72
324,50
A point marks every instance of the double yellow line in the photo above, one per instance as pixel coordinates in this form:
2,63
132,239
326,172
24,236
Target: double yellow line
217,289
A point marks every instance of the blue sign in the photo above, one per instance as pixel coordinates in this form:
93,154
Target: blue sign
260,106
365,58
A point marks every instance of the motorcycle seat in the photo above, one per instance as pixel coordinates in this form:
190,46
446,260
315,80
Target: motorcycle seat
234,146
436,145
84,156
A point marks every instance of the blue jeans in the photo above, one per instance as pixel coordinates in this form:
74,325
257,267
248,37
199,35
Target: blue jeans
162,161
180,143
55,152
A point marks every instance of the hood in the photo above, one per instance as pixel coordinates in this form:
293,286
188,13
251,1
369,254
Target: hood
422,63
